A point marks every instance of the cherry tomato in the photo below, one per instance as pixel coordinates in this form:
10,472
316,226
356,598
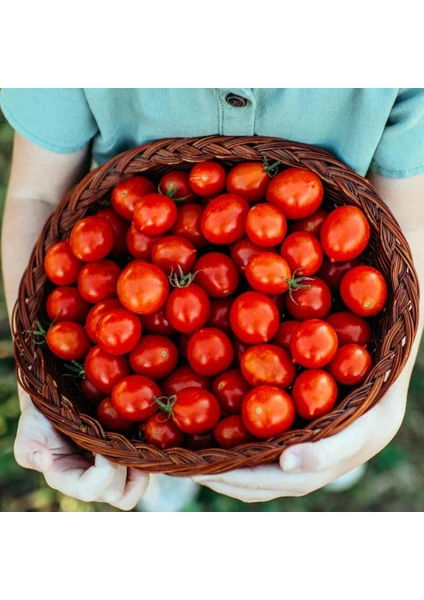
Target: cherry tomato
284,334
332,272
104,370
345,233
350,328
188,308
231,432
68,340
188,223
207,178
200,441
267,411
176,185
127,193
139,244
96,313
90,393
161,431
142,288
172,252
220,315
134,397
268,273
311,224
254,318
110,418
351,364
223,220
267,364
230,387
314,394
209,352
154,356
91,238
184,377
243,250
98,280
239,347
154,214
157,323
364,291
66,304
303,253
120,229
279,301
249,180
297,192
60,264
118,331
216,274
313,344
196,410
313,302
266,225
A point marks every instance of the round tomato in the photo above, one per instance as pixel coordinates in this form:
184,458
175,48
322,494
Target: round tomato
155,356
254,318
120,229
184,377
268,273
223,220
104,370
249,180
267,364
230,387
297,192
332,272
174,252
66,304
126,194
350,328
142,288
266,225
351,364
98,280
314,394
188,308
303,253
216,274
96,313
345,233
311,224
311,302
118,331
313,344
68,340
267,411
176,185
134,397
188,223
157,323
200,441
242,252
61,265
231,432
364,291
207,178
209,352
110,418
195,410
161,431
91,239
139,244
284,334
220,315
154,214
90,393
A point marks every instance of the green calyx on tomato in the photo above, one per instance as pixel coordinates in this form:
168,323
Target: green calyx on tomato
180,280
295,283
166,406
271,169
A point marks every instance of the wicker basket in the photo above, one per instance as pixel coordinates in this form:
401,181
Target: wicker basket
40,373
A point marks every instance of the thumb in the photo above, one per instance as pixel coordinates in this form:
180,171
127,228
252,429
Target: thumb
30,449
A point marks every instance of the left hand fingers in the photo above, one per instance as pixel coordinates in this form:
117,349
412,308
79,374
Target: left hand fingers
135,487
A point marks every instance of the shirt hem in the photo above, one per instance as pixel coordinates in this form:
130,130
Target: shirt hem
394,173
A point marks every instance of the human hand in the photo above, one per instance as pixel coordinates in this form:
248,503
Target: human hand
41,447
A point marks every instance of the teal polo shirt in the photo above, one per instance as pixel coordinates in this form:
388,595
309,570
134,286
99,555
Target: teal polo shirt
378,129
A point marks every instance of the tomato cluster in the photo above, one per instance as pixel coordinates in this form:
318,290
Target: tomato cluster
199,308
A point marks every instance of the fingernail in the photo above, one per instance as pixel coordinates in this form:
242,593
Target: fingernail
290,462
37,461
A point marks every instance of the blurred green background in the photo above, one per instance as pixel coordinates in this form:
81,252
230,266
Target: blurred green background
394,480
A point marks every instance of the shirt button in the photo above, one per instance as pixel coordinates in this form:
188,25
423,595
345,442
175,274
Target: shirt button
236,101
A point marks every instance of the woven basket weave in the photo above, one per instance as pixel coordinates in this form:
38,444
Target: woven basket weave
40,373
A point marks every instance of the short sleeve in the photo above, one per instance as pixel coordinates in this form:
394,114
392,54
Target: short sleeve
57,119
400,152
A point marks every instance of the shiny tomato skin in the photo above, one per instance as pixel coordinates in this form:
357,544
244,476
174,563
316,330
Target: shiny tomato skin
184,377
284,334
176,185
314,394
254,318
172,252
160,431
98,280
303,253
67,304
196,410
364,291
351,364
267,411
249,180
350,328
97,311
154,214
188,309
120,229
314,344
311,224
133,397
266,225
207,178
267,364
90,393
61,265
188,224
104,370
157,323
230,387
345,233
155,356
243,250
268,273
332,272
110,419
231,432
209,352
139,244
297,192
127,193
219,316
91,239
223,220
216,274
313,302
118,331
142,288
68,340
200,441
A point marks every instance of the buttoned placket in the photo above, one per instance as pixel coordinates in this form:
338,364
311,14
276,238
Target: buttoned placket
237,108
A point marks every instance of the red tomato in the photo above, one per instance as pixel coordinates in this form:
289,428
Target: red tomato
268,273
139,244
254,318
297,192
313,302
96,313
188,308
223,220
172,252
110,418
154,356
220,315
311,224
314,394
231,432
230,387
66,304
350,328
118,331
266,225
267,364
157,323
239,347
184,377
196,410
207,178
279,301
176,185
313,344
161,431
154,214
98,280
242,252
303,253
104,370
68,340
126,194
188,223
134,397
345,233
249,180
142,288
364,291
120,229
209,352
332,272
182,344
90,393
216,274
200,441
91,238
284,334
351,364
267,411
60,264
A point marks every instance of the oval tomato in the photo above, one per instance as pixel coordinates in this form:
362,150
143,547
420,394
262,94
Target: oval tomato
174,252
219,316
96,313
184,377
345,233
188,308
91,239
311,224
351,364
364,291
284,334
68,340
223,220
332,272
161,431
134,397
127,193
176,185
268,273
254,318
231,432
120,229
207,178
61,265
230,387
110,418
98,280
297,192
188,223
216,274
266,225
90,393
267,364
104,370
303,253
196,410
154,214
350,328
249,180
311,302
200,441
118,331
157,323
66,304
314,394
139,244
142,288
155,356
267,411
313,344
209,352
242,252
